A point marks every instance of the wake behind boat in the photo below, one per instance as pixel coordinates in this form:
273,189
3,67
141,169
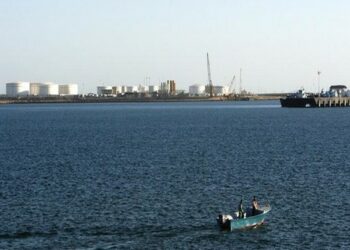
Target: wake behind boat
249,218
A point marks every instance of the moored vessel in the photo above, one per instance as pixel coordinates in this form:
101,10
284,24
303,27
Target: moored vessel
336,96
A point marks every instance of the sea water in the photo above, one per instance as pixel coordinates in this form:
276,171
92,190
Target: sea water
156,175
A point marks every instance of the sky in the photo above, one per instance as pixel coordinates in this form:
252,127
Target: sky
280,45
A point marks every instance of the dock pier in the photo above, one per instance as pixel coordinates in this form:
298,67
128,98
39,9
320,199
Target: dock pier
323,102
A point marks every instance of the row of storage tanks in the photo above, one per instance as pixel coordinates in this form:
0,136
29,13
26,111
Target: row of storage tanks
113,90
194,90
15,89
201,90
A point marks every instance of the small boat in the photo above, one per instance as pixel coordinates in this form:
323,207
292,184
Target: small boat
228,222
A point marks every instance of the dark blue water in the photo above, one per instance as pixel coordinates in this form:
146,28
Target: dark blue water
140,176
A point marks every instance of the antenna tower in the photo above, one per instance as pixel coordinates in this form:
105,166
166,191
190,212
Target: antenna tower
240,81
318,82
209,77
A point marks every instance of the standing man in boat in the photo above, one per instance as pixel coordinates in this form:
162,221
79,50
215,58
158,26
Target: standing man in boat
240,209
255,206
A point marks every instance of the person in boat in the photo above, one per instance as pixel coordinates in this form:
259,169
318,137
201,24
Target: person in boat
240,209
255,206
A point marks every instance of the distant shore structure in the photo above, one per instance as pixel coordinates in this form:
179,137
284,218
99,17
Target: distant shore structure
166,88
337,96
18,89
68,89
14,89
104,90
48,89
197,90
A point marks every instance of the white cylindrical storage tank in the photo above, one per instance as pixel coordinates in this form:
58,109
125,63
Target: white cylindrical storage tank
43,90
219,90
14,89
68,89
196,90
35,88
53,89
48,89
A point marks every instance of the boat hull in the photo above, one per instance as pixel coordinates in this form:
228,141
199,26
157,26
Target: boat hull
248,222
317,102
297,102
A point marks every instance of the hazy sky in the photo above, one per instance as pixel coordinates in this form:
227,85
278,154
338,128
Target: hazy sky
280,45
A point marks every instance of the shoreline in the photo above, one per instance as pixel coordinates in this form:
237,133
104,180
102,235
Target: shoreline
86,99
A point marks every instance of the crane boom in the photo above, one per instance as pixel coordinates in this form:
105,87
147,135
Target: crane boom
231,89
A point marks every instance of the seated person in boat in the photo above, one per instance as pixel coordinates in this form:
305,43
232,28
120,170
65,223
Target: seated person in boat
255,206
240,209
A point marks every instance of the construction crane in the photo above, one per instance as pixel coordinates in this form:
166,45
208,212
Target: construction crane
209,78
231,89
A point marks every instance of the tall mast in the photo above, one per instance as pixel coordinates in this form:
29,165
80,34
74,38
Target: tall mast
209,77
240,81
318,82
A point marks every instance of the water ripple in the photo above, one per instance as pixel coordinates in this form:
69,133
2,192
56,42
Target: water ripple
136,176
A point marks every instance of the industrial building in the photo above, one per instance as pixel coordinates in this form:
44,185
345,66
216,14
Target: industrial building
167,88
142,89
153,89
131,89
172,87
123,89
116,90
104,90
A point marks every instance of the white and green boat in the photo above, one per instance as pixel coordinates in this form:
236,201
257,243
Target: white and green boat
247,220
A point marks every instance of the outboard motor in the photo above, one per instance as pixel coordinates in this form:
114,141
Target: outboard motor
221,219
224,221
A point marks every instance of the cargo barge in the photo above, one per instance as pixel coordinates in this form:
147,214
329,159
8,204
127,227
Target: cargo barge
337,96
